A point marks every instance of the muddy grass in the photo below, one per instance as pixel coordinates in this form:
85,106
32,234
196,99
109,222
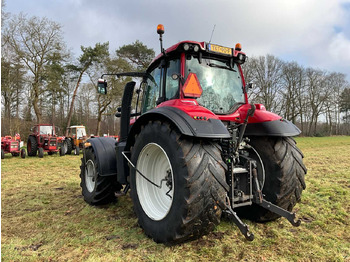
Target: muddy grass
44,218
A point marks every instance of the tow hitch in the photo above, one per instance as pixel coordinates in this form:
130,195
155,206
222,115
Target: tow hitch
234,218
280,211
259,200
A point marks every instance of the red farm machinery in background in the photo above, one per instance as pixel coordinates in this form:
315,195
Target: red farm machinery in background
12,145
43,139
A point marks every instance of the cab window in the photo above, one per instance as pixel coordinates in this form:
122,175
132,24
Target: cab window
172,86
151,92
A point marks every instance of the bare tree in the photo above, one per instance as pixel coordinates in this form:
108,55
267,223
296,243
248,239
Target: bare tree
34,41
266,73
317,93
345,104
336,84
292,75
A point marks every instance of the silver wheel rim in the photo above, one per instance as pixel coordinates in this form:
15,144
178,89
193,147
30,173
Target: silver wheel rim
64,147
90,175
154,163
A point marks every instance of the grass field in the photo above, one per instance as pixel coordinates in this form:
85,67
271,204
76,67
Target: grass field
44,217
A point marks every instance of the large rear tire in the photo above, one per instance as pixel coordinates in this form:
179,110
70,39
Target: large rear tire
96,189
32,146
284,175
192,178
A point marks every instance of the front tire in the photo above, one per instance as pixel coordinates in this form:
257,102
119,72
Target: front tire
62,151
23,153
96,189
191,174
284,176
77,151
69,145
41,152
32,146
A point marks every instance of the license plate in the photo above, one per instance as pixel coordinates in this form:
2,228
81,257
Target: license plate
220,49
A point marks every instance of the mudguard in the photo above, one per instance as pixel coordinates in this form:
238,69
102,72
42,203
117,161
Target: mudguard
104,149
211,128
281,127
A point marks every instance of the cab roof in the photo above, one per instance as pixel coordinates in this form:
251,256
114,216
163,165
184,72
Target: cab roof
204,47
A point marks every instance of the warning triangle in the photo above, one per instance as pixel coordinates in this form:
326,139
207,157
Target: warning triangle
192,87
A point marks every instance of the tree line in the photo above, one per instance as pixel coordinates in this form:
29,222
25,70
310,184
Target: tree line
42,82
317,101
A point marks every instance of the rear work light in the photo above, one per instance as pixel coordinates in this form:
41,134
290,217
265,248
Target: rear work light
241,58
191,47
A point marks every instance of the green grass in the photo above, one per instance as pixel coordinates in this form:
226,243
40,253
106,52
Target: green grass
44,217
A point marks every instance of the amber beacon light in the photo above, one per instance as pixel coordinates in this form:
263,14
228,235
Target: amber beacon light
160,29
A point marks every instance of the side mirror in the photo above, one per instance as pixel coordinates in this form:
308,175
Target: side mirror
102,87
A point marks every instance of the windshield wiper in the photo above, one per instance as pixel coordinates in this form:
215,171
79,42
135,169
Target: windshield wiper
220,66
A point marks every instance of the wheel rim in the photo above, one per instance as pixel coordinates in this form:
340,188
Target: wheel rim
154,163
90,175
64,147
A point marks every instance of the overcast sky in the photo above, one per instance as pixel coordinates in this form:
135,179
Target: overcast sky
314,33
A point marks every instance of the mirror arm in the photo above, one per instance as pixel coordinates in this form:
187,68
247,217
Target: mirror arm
132,74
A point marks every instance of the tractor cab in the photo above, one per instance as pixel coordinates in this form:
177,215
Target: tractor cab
46,130
207,73
77,132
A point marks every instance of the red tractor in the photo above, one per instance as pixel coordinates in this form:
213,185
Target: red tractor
43,139
10,145
195,148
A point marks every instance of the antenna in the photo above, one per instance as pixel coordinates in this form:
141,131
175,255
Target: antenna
212,33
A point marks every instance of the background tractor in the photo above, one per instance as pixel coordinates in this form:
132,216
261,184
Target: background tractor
43,139
10,145
194,148
75,139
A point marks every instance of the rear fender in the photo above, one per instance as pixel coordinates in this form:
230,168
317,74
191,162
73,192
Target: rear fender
265,123
281,127
104,150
